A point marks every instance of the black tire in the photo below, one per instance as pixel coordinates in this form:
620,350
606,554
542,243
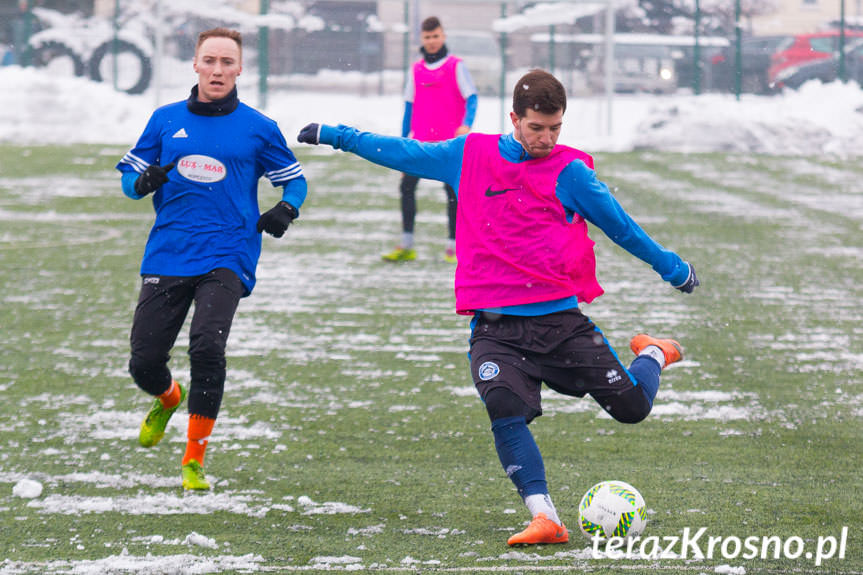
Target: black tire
47,52
107,49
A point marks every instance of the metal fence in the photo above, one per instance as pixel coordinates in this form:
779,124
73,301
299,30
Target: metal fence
366,46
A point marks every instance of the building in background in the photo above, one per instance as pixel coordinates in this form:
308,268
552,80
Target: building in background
378,40
348,39
804,16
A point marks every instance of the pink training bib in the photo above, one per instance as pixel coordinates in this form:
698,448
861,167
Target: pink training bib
513,242
439,107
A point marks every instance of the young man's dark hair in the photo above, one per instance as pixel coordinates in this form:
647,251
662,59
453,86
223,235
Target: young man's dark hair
540,91
525,264
431,23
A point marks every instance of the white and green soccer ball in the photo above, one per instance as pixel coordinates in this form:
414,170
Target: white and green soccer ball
612,509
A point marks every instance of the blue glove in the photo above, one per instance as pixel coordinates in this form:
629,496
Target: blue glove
276,220
691,281
152,179
311,134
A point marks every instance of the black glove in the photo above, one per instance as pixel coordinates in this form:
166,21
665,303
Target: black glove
311,134
691,282
152,179
276,220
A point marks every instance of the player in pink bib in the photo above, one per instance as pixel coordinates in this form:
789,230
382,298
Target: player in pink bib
525,262
440,103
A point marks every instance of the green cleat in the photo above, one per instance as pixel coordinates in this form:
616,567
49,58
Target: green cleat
193,476
153,426
401,255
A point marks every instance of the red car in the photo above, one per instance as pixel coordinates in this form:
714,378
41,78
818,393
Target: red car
807,48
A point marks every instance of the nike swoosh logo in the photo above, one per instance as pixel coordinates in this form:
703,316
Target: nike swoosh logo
489,192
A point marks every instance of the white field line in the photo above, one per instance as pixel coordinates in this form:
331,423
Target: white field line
246,564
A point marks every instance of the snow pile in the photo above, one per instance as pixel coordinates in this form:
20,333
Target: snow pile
37,108
327,508
817,119
198,540
27,488
125,563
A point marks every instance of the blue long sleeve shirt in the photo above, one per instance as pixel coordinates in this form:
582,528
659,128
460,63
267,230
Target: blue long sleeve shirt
578,189
207,211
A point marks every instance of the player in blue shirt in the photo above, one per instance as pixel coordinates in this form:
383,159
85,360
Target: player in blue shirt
202,159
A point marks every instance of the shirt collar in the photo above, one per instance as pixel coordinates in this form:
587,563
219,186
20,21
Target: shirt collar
512,150
221,107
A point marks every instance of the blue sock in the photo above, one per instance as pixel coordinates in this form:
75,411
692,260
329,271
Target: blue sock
519,455
646,372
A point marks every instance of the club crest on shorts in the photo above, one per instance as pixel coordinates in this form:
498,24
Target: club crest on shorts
488,370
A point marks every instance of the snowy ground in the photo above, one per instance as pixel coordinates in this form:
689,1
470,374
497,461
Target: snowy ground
36,107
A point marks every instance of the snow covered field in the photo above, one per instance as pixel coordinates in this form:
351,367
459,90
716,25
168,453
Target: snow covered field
351,438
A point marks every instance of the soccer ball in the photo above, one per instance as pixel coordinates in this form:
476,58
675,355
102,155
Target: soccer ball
612,509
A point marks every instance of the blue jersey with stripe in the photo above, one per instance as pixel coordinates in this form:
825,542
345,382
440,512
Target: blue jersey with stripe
206,214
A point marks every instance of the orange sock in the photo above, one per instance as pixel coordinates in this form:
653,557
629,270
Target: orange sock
171,397
198,434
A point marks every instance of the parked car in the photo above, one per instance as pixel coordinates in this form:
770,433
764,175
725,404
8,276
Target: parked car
638,68
807,48
755,53
684,65
825,70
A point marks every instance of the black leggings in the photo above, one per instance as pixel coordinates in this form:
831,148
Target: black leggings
408,190
630,406
162,307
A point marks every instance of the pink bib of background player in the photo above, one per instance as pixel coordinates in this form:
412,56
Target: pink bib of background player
439,107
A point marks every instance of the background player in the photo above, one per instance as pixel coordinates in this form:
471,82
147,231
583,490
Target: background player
440,103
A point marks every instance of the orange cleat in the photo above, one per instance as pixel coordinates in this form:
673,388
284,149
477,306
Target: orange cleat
541,530
671,349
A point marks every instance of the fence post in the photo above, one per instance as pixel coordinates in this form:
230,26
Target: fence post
738,52
696,52
406,43
158,53
842,71
503,114
115,44
26,30
263,57
609,66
